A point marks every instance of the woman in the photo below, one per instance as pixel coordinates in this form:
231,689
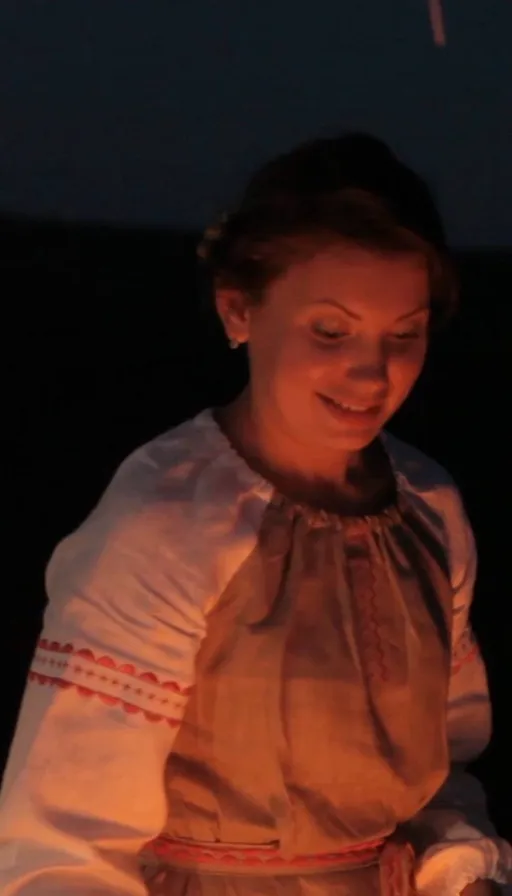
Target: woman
257,667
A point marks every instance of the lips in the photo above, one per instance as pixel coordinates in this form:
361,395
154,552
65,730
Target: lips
352,412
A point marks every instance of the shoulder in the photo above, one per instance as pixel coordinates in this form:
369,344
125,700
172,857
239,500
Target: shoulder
433,494
170,471
421,472
171,507
422,476
130,587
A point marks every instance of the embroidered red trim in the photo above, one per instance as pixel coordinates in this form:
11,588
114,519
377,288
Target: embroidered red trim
362,573
129,708
221,855
371,636
62,658
109,663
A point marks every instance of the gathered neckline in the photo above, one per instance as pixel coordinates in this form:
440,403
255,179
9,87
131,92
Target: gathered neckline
315,516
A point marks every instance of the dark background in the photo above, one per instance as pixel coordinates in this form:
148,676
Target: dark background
155,112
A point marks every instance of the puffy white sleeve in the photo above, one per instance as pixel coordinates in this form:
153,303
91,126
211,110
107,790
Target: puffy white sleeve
454,832
83,789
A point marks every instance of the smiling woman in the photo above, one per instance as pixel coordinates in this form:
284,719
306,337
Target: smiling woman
327,373
257,675
333,270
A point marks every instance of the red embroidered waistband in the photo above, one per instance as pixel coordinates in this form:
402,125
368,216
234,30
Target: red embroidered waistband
266,859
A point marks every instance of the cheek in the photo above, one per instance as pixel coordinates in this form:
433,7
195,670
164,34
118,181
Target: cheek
309,366
405,366
276,360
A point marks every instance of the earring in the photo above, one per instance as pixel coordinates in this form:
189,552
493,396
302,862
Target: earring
233,343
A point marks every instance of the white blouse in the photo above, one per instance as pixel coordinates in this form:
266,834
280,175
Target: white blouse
129,596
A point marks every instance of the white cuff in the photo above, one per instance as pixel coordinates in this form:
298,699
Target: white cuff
447,867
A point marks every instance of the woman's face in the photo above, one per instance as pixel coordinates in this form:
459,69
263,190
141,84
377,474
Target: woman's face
336,345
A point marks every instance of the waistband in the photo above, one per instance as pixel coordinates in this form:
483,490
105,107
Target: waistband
395,860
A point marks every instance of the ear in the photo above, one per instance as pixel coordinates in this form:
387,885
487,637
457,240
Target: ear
233,311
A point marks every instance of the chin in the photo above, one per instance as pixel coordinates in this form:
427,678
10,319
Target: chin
355,441
348,439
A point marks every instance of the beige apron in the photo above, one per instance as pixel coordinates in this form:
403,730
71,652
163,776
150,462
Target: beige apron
317,727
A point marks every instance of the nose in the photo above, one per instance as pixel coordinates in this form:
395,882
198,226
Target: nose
370,378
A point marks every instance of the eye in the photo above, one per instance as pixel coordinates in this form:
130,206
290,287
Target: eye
405,335
329,332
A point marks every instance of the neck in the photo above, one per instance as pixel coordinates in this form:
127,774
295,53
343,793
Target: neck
277,456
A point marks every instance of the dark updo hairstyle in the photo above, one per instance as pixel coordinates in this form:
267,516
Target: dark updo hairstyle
350,188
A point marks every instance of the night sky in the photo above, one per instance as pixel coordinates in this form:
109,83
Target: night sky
154,111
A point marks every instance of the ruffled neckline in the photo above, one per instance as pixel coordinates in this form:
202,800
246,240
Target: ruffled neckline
316,517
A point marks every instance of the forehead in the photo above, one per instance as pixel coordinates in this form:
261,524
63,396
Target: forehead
358,278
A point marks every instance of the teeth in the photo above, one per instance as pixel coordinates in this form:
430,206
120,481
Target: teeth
353,407
356,409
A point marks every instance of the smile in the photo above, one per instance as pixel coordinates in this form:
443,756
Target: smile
352,412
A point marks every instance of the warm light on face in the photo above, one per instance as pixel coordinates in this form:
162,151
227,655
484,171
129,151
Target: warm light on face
347,326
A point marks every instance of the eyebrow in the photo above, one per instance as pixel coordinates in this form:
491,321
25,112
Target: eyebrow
355,316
